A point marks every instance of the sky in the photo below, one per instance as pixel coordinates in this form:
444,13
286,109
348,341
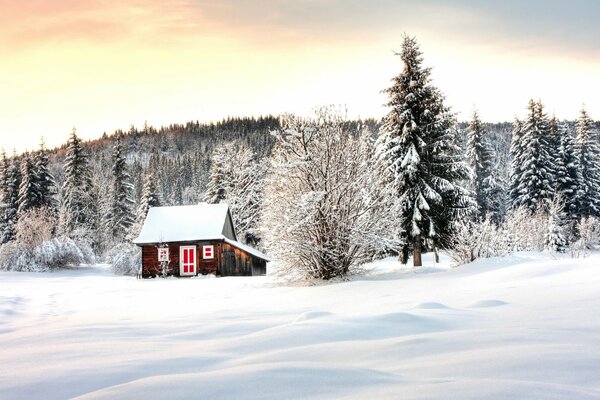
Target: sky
101,65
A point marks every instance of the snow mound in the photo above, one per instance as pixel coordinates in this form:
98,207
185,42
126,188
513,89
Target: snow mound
431,305
305,316
488,303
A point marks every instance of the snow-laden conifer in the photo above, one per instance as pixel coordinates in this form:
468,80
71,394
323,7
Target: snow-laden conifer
418,141
534,184
121,210
487,191
566,169
556,237
588,152
516,163
150,197
237,178
45,182
29,195
11,200
79,208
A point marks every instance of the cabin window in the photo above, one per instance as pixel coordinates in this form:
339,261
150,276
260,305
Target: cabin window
208,252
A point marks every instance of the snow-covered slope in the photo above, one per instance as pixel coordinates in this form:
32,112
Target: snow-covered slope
523,327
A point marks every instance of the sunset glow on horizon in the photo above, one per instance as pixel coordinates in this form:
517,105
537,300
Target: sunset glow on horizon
102,65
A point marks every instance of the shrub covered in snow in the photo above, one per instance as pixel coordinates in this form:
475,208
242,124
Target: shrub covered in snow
520,231
125,259
325,212
588,236
48,255
35,226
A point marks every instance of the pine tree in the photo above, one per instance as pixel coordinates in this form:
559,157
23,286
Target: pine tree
78,214
150,198
418,142
46,185
4,193
11,200
121,212
555,235
28,189
485,187
534,182
588,151
567,173
220,173
516,166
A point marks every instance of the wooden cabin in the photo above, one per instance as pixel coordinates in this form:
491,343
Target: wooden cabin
196,239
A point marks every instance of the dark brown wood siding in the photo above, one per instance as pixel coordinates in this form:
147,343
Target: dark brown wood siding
227,261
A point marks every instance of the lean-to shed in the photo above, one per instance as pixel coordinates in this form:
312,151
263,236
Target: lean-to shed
196,239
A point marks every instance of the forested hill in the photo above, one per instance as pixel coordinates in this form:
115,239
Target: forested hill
177,149
179,154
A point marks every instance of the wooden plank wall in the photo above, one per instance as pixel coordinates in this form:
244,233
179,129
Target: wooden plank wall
227,261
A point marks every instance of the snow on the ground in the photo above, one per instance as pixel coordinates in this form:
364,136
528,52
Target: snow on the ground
523,327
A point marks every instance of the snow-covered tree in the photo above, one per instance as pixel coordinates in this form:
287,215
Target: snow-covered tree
567,172
588,152
121,210
4,193
11,200
45,182
220,173
324,212
534,184
556,237
516,166
150,198
237,178
487,191
418,141
79,207
29,195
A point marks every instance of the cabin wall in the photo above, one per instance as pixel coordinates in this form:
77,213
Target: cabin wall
227,261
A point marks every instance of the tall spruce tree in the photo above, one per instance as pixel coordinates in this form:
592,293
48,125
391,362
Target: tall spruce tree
567,173
485,187
11,205
4,195
121,212
219,182
516,166
534,183
46,185
419,145
588,151
150,198
79,208
29,195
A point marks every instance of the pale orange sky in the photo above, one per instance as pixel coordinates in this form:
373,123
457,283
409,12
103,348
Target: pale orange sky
106,64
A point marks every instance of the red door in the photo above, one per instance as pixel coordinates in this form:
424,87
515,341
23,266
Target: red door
187,260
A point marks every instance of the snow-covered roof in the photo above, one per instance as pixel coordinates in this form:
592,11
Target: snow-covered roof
185,223
247,249
191,223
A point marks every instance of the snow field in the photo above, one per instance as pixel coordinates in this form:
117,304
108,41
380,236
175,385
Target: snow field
520,327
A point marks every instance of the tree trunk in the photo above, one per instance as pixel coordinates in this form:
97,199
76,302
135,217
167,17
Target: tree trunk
437,254
417,252
404,255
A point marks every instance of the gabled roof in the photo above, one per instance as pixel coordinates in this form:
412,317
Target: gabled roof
186,223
